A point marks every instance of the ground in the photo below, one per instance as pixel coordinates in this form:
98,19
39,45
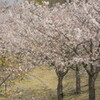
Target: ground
40,84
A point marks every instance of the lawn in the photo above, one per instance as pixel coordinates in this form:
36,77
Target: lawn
40,84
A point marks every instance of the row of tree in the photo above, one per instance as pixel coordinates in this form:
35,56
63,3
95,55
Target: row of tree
65,36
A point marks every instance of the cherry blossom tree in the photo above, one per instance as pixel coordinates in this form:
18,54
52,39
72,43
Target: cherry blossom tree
88,17
62,36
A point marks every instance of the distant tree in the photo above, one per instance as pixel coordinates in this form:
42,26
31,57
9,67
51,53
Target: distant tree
78,80
78,70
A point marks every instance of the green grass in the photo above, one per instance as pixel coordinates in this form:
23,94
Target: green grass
40,83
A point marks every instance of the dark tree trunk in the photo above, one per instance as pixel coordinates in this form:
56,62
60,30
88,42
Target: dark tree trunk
78,81
86,1
60,88
70,1
91,87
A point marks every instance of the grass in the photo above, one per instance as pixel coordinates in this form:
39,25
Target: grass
40,83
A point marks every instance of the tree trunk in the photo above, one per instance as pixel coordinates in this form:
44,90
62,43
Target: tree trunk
70,1
78,81
86,1
91,87
60,88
